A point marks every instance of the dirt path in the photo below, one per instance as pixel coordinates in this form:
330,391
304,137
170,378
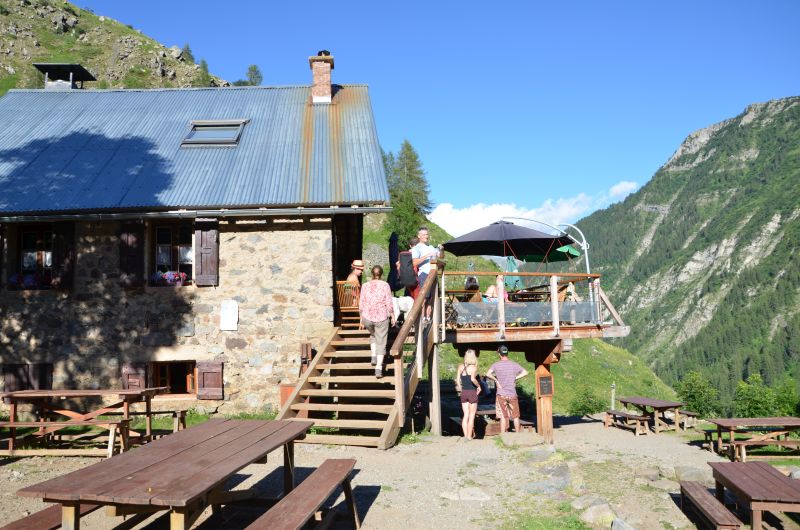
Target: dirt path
448,482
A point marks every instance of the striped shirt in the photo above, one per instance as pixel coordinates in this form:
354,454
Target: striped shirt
506,373
375,303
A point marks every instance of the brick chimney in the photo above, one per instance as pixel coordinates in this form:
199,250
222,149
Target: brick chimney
321,66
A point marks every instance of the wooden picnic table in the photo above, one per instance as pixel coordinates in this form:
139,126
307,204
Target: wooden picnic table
757,485
184,472
659,408
763,431
47,406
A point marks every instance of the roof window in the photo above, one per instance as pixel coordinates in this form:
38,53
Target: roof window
206,133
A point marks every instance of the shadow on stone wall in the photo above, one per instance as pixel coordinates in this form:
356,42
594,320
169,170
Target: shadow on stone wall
90,330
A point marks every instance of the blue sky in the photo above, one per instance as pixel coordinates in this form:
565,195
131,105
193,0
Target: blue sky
548,109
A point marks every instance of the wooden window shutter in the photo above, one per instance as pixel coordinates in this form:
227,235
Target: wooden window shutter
209,380
134,375
63,254
3,273
15,377
131,255
206,254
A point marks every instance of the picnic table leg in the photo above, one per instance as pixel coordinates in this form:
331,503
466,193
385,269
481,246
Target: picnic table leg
755,519
719,490
351,502
12,416
112,436
70,516
288,468
179,519
678,421
148,430
719,440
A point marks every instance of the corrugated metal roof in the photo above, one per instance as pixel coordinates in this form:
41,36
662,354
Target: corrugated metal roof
110,150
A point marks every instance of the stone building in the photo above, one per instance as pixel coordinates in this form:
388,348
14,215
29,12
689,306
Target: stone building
187,238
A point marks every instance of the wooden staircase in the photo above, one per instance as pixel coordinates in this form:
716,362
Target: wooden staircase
340,393
339,390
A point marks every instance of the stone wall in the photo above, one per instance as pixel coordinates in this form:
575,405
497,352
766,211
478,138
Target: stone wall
278,271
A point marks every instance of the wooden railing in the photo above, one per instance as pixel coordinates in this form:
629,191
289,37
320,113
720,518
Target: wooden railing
426,337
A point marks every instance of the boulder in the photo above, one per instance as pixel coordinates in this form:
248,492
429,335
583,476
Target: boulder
649,474
581,503
666,485
692,473
619,524
794,473
176,53
599,515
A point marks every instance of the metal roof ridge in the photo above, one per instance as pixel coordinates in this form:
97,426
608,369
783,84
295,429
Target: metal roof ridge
176,89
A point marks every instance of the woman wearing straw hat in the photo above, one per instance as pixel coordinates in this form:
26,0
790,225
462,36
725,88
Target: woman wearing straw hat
356,268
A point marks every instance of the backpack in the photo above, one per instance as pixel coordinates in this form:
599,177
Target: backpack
408,272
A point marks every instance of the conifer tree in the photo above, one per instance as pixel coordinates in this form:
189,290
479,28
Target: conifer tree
254,76
187,53
203,78
408,191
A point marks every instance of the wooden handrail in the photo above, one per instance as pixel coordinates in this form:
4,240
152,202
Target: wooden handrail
412,316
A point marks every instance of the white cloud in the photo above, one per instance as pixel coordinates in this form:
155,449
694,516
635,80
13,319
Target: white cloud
622,189
459,221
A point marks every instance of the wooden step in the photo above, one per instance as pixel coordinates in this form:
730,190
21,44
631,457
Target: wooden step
339,439
343,407
353,333
352,379
351,343
349,393
348,353
346,424
354,366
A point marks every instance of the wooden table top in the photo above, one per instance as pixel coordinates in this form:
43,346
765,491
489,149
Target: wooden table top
733,423
69,393
757,481
650,402
176,469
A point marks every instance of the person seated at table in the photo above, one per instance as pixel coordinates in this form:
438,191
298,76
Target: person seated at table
490,296
473,293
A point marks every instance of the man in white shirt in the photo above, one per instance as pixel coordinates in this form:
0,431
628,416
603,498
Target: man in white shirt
422,255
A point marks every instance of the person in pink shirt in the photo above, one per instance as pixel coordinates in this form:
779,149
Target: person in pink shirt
377,311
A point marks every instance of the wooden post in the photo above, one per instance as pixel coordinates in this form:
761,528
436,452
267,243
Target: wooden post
70,516
554,305
435,405
399,390
544,402
501,305
288,468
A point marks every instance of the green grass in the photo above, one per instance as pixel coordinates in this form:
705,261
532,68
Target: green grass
562,519
8,82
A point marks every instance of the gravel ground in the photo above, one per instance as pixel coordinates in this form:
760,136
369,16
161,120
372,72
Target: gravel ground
448,482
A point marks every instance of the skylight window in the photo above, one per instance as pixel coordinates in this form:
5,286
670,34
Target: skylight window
214,133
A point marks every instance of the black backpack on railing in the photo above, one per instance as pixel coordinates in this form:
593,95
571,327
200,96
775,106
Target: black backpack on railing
408,273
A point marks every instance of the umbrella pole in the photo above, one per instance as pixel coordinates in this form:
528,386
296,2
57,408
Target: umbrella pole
501,305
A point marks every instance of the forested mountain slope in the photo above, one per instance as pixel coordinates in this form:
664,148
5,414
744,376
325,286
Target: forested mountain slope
703,260
54,31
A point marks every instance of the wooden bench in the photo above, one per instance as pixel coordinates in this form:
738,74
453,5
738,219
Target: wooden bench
708,435
689,418
302,503
708,506
739,448
47,519
114,427
178,416
620,418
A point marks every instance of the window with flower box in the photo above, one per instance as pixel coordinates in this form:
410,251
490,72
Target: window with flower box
173,256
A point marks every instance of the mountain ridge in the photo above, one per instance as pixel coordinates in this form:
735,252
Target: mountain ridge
701,260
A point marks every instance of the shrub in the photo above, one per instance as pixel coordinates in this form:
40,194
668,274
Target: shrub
585,402
754,399
786,396
696,391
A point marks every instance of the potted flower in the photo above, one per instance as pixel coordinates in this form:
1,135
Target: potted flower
169,278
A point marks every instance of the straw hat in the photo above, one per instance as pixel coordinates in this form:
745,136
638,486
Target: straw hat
357,264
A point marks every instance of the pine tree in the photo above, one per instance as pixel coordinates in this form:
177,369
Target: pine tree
187,53
408,191
203,78
254,76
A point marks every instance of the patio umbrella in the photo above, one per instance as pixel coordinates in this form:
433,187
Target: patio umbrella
505,239
393,279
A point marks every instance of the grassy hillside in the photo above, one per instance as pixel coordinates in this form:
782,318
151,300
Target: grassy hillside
55,31
702,262
592,364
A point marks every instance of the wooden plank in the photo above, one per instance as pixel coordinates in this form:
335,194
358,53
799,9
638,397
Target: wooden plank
351,379
708,505
141,486
353,366
55,452
350,393
344,407
350,424
312,369
297,508
339,439
349,353
47,519
188,488
89,479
